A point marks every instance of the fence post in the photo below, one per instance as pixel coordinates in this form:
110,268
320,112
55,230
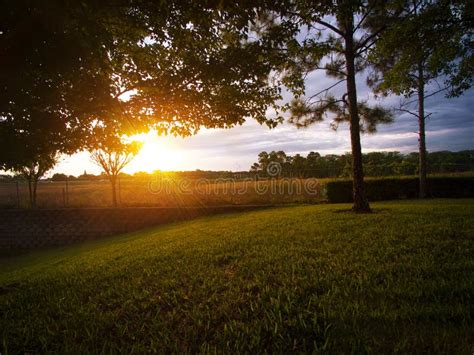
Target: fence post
64,197
17,195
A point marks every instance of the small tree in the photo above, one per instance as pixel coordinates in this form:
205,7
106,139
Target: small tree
35,169
30,154
112,159
32,167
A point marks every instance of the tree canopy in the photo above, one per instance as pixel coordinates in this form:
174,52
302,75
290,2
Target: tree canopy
127,66
436,35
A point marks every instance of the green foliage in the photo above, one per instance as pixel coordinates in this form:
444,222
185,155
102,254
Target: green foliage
302,279
399,188
303,115
430,40
307,43
125,67
375,164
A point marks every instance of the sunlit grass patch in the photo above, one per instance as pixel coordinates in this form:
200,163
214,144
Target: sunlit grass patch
288,279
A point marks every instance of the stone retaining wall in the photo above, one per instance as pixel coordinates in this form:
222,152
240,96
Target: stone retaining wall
28,229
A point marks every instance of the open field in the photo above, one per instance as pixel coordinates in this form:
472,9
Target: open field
307,278
170,190
167,191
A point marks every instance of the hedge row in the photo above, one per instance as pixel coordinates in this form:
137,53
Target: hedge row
399,188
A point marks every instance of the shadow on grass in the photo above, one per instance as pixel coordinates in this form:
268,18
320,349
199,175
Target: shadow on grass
350,211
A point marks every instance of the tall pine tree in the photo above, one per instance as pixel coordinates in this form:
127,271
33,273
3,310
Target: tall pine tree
332,36
425,51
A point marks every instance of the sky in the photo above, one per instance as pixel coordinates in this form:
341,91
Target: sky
450,127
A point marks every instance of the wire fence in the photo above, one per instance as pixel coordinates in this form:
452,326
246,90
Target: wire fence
273,186
163,192
68,193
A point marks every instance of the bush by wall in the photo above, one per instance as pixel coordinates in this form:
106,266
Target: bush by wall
400,188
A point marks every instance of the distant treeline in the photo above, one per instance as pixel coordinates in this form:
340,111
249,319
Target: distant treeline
196,174
375,164
313,165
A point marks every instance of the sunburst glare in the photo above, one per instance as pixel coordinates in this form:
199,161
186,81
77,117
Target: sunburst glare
157,153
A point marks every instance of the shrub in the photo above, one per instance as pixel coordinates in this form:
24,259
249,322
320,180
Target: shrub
399,188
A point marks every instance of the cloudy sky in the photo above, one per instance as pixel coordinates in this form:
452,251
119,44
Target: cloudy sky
450,127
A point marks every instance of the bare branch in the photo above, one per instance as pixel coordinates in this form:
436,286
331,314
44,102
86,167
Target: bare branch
327,89
407,111
429,95
368,42
331,27
363,18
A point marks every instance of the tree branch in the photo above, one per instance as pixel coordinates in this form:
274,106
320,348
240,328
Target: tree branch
363,18
331,27
364,44
408,111
429,95
327,89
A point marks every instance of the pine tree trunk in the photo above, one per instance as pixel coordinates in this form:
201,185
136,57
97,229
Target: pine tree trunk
421,132
361,204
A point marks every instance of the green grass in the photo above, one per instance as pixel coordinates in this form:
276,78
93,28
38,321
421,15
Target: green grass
308,278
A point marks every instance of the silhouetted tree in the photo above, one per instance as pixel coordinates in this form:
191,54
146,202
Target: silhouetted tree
112,159
26,154
130,66
57,63
59,177
39,165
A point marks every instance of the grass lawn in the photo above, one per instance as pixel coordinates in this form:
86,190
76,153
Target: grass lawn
289,279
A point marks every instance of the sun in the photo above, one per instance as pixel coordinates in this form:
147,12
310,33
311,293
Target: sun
157,153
